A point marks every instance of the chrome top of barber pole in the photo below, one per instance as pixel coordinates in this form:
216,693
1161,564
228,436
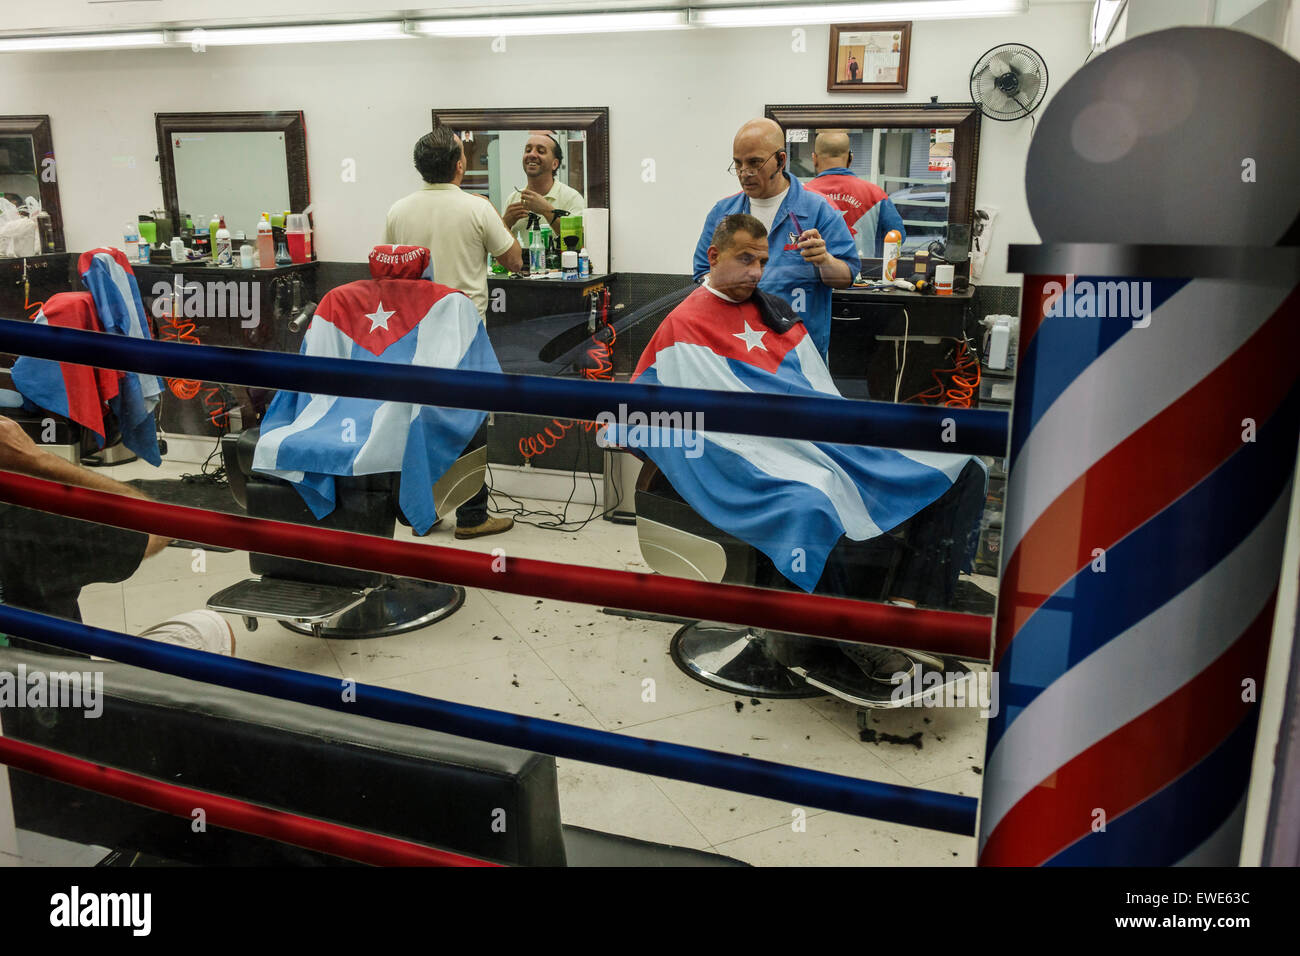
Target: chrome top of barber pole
1151,464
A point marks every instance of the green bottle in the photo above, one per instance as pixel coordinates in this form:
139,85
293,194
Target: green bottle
213,226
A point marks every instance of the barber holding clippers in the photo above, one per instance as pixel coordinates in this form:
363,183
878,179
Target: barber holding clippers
810,250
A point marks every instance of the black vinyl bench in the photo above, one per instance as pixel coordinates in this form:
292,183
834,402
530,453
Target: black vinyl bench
405,782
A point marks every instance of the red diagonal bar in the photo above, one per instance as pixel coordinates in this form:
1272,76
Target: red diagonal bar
227,812
966,636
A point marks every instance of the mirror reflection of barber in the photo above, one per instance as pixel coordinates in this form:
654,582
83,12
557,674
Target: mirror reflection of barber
810,248
543,195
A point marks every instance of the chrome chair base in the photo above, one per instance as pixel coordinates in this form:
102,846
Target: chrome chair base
403,605
735,659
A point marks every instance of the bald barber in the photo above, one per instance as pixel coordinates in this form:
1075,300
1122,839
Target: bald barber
810,249
868,211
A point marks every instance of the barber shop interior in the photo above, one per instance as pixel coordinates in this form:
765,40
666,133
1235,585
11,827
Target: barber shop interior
649,434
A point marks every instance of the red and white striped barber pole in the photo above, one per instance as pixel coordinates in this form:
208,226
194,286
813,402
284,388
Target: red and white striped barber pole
1153,446
1153,450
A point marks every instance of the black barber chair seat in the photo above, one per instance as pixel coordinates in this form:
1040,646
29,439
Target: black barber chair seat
326,600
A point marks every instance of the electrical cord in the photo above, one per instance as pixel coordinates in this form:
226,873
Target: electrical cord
963,380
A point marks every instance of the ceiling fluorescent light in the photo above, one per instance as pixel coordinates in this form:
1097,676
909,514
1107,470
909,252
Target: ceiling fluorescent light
803,14
84,41
552,25
312,33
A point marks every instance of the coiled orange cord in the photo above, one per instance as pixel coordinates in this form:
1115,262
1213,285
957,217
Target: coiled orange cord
599,368
180,330
964,382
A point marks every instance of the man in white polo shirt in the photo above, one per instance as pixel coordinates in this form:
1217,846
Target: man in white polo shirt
459,229
543,194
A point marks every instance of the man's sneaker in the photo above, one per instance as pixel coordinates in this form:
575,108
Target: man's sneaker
883,664
490,526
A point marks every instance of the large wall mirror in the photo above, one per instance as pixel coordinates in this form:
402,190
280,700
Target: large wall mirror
27,168
238,165
498,157
923,155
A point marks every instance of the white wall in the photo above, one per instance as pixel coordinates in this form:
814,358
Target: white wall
675,98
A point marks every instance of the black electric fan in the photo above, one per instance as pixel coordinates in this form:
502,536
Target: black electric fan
1009,82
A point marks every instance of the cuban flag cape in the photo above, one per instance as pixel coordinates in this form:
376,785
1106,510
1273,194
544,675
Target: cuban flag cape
79,392
788,498
307,439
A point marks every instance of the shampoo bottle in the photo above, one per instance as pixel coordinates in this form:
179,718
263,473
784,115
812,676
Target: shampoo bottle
225,255
265,243
889,261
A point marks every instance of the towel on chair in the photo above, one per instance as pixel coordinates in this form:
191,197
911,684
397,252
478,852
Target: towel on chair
79,392
790,499
308,439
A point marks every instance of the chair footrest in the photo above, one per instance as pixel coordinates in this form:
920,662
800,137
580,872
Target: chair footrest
283,599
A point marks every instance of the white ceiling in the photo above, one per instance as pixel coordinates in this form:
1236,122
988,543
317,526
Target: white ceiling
84,16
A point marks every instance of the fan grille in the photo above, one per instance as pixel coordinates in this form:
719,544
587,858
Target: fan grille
1030,83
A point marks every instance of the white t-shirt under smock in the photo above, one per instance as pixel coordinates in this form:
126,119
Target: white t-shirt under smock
764,210
560,196
459,229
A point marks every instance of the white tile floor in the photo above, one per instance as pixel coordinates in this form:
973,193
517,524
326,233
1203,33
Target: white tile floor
572,663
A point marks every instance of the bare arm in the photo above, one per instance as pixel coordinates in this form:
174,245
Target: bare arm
512,258
18,453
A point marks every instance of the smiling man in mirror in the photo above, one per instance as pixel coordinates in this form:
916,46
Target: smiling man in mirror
544,195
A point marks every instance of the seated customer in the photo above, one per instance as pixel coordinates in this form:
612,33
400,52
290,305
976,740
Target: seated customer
46,559
821,513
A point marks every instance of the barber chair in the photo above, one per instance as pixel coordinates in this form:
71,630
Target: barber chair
336,602
749,661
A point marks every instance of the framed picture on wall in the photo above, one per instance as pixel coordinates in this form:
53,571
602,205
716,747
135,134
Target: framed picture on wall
869,57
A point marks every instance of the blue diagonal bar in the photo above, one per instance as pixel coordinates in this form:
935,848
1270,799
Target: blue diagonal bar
883,424
799,787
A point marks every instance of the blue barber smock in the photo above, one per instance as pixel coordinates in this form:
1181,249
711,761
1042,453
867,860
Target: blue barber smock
787,273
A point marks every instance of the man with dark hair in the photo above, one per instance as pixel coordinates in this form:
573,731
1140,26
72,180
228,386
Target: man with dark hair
545,195
810,250
460,230
873,523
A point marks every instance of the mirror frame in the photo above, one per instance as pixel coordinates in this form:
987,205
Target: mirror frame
288,122
964,118
38,128
592,120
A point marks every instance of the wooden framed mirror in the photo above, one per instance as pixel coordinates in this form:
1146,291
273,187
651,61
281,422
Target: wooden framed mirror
925,156
27,168
236,164
494,151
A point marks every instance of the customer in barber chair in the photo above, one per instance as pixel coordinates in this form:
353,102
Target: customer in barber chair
862,522
46,559
398,316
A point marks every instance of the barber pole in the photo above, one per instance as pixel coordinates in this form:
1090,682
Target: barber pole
1151,468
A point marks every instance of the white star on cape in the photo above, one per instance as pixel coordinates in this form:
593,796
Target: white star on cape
379,318
753,338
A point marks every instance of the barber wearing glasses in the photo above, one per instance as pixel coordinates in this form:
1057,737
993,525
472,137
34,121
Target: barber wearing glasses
810,250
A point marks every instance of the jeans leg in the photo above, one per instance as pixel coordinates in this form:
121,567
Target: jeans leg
473,512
